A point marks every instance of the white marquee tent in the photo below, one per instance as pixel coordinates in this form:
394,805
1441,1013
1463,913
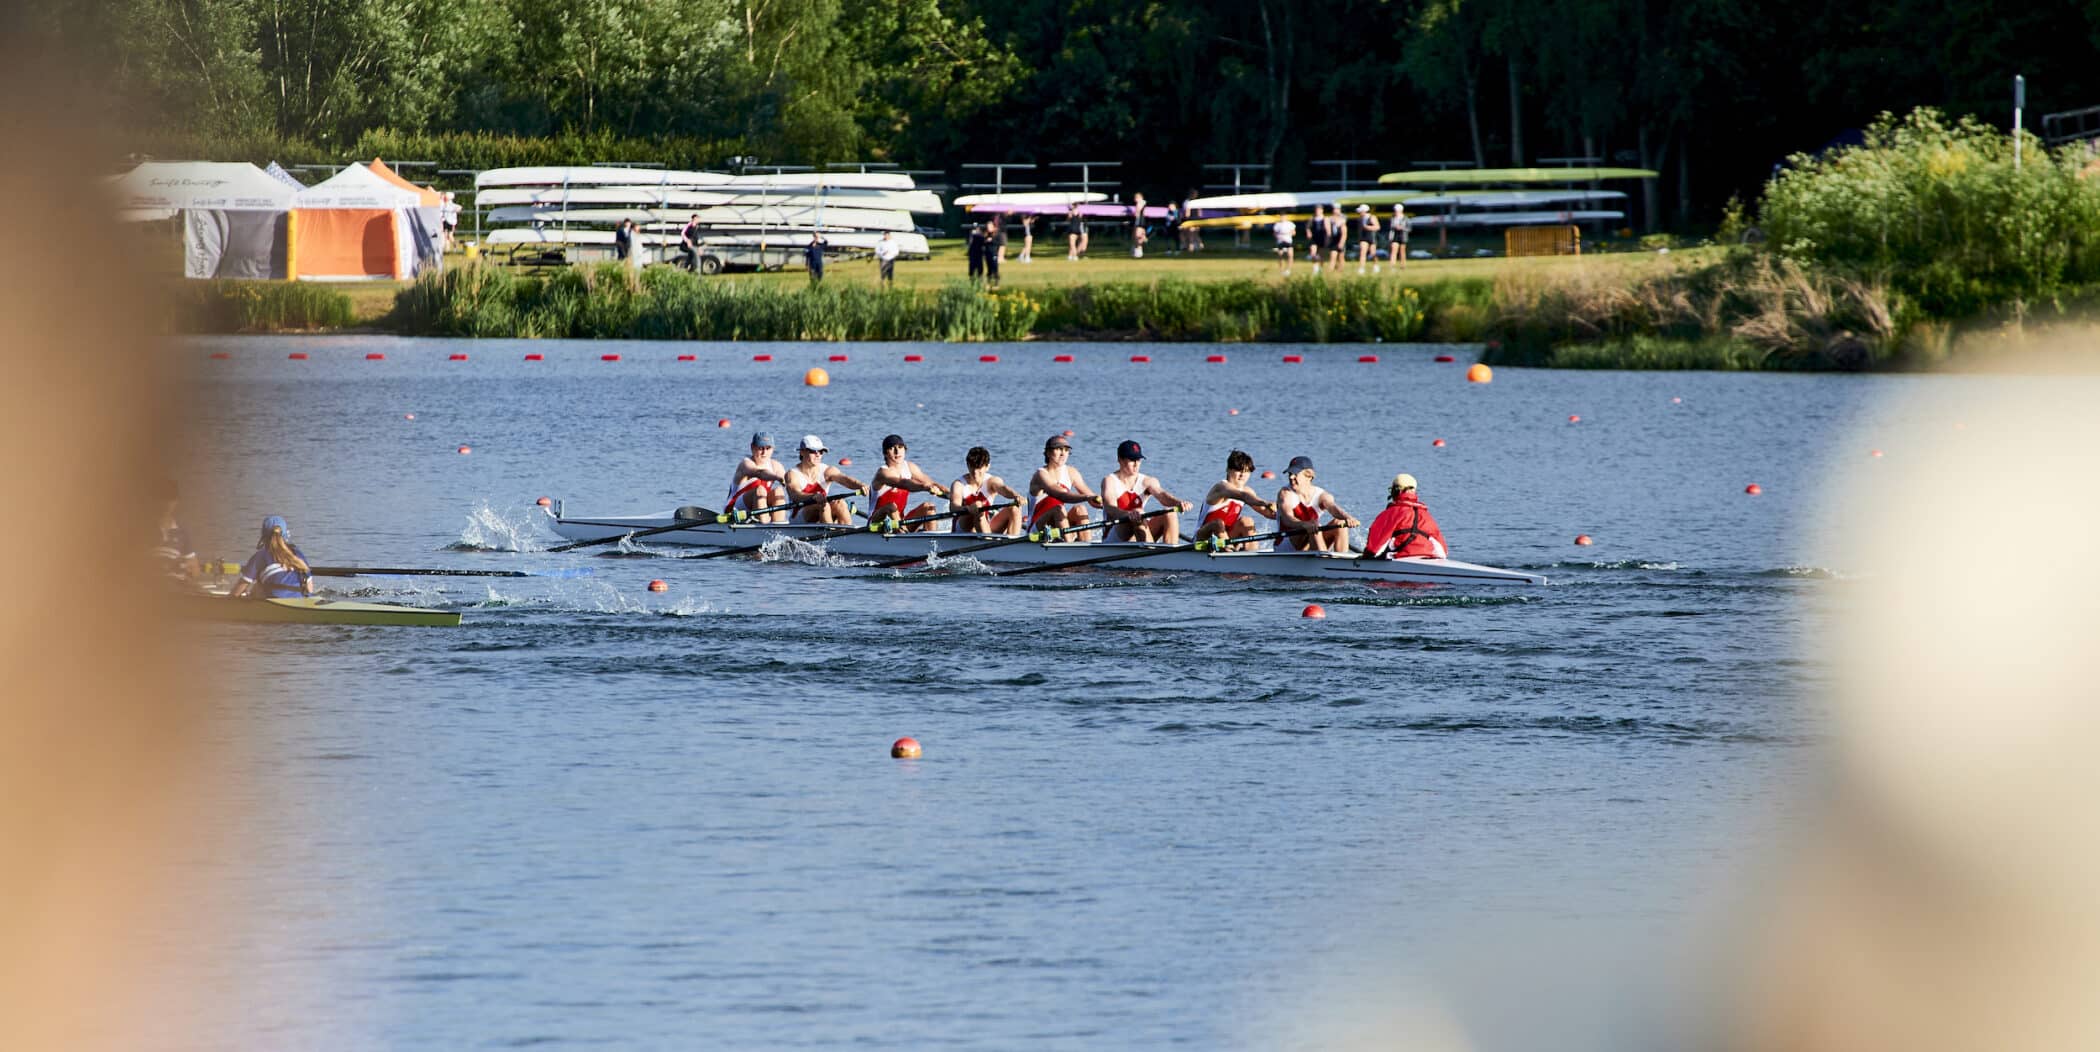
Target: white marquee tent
234,215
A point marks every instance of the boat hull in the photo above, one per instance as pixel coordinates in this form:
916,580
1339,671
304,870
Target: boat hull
315,610
865,544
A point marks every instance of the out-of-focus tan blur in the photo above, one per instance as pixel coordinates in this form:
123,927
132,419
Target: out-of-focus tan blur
99,728
1949,898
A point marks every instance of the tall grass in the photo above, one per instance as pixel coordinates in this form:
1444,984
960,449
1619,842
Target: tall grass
259,306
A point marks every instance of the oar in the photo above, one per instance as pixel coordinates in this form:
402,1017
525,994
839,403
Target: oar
1043,535
709,519
1192,546
893,525
225,568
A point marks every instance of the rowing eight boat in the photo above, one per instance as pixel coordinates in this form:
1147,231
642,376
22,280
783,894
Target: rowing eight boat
869,544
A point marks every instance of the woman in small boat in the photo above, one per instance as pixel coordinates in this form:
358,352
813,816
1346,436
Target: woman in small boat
277,570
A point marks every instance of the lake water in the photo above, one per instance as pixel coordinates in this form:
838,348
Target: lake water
1153,810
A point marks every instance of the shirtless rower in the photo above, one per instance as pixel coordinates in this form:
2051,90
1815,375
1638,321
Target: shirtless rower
811,477
894,484
1123,496
1226,506
759,482
1298,507
1059,496
973,493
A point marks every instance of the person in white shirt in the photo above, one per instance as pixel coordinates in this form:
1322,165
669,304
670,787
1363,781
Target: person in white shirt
1286,233
886,258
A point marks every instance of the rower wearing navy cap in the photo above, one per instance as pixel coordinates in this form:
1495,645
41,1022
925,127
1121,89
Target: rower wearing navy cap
1060,496
1123,496
811,477
894,484
1298,507
759,482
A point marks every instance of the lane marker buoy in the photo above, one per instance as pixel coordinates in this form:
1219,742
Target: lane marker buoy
1293,359
1140,357
914,357
464,450
1445,358
1753,489
457,358
608,357
375,356
535,357
1478,373
838,358
761,357
659,586
688,357
987,357
1573,419
1582,539
545,502
724,422
905,749
1438,443
1371,358
1214,358
1062,358
1315,612
297,356
816,377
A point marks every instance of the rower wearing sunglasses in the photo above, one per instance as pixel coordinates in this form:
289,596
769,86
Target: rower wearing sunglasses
810,478
1299,505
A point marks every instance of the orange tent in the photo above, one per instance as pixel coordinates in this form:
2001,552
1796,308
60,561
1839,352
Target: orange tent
354,225
430,198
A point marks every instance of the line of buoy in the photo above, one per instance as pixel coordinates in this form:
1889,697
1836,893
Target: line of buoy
1753,489
1439,443
1370,358
608,357
1215,359
1062,358
914,357
464,450
1582,540
838,358
1140,357
1316,612
688,357
375,356
1445,358
987,357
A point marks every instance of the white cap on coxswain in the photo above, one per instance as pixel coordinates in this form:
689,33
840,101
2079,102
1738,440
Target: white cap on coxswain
813,444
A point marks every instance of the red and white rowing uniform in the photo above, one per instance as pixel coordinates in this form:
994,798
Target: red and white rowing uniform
1227,511
889,501
1303,509
1067,479
754,487
1133,497
968,494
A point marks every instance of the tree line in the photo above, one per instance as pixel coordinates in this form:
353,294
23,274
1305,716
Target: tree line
1712,93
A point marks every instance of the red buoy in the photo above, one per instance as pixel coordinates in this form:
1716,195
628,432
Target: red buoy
1293,359
659,586
545,502
1062,358
1268,474
845,462
688,357
1315,612
914,357
724,422
1445,358
1438,443
838,358
1753,489
1573,419
375,356
1676,401
905,749
608,357
297,356
1068,432
1140,357
464,450
1372,358
1214,358
535,357
761,357
987,357
457,358
408,416
1232,412
1876,453
1582,539
220,356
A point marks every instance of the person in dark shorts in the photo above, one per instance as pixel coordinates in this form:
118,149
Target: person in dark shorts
975,247
813,257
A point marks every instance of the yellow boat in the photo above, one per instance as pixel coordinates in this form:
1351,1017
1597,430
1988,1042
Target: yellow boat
315,610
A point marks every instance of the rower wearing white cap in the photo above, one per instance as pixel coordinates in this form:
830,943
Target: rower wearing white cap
896,481
972,494
1226,506
1060,496
1298,507
811,477
1123,497
759,481
1366,225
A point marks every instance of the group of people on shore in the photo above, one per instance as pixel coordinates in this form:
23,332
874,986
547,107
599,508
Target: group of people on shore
1331,238
1056,496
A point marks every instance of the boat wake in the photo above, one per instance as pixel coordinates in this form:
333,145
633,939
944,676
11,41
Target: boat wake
489,530
954,565
791,550
1605,564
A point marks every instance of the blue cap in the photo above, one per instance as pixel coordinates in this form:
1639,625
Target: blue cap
761,438
276,522
1299,464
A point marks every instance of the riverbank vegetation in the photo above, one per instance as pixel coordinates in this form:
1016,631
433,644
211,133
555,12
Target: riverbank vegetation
260,306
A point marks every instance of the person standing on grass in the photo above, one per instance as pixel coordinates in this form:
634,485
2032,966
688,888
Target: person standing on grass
1315,234
1396,234
994,250
1366,238
974,248
1331,244
886,259
689,244
813,257
1191,237
1173,225
1286,232
1028,238
1137,226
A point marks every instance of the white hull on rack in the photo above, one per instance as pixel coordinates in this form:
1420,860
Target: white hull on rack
878,546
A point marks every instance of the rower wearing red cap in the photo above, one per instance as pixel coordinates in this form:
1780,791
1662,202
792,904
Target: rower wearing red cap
759,481
972,494
811,477
1123,496
895,482
1298,507
1226,506
1060,496
1405,529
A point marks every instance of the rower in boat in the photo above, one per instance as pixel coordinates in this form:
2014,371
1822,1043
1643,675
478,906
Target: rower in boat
811,477
177,558
895,482
1298,507
1123,496
760,482
1059,496
277,570
972,494
1405,529
1226,506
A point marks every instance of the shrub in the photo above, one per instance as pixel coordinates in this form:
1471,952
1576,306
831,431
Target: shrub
260,306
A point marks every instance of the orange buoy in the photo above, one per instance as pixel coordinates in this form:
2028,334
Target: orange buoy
457,358
914,357
1062,358
816,377
545,502
761,357
535,357
724,422
1068,432
1478,373
1214,358
688,357
1316,612
1445,358
1293,359
297,356
1268,474
1573,419
659,586
1753,489
1582,540
845,462
464,450
1439,443
1232,412
905,749
838,358
408,416
1876,453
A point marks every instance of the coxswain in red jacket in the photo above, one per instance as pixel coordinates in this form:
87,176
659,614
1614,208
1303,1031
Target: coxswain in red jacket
1405,529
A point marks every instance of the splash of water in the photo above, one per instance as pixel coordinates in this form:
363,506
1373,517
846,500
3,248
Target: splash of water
490,530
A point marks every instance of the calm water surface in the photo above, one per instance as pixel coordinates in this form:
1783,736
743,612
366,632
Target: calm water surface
1154,810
